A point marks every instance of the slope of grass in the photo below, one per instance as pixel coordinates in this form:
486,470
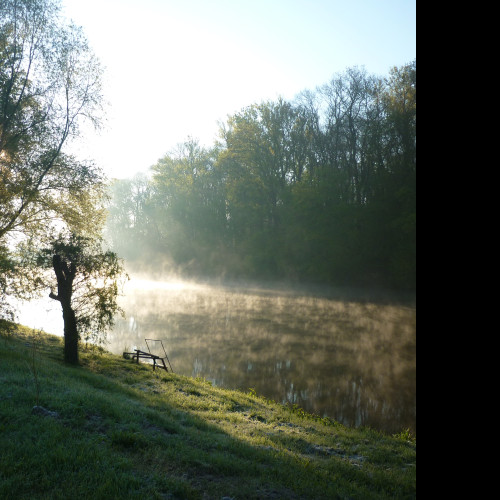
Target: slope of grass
110,428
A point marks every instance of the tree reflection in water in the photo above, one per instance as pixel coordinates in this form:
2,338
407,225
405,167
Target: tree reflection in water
352,360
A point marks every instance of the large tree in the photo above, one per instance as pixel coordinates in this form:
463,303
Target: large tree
86,282
50,85
49,82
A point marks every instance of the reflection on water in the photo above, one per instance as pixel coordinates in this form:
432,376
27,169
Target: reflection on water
353,361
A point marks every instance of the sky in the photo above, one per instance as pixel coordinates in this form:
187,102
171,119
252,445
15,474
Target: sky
175,69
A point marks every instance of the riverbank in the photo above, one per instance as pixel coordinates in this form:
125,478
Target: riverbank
110,428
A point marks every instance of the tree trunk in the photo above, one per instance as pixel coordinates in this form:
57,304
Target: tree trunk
70,336
65,276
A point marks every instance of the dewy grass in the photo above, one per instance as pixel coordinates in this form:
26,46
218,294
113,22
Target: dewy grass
114,429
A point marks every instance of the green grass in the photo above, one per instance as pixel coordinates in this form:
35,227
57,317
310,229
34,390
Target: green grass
119,430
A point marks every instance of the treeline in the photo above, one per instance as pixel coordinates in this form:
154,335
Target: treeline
321,189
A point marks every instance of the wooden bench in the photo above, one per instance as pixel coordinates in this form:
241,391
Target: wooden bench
138,354
157,360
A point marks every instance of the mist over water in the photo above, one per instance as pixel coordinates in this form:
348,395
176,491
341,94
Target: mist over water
330,353
338,353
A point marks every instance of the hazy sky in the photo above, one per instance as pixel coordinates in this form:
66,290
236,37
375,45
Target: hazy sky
174,68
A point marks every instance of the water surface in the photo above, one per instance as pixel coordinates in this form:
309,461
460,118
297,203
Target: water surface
351,359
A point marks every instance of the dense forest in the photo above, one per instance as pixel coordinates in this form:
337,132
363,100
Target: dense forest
321,189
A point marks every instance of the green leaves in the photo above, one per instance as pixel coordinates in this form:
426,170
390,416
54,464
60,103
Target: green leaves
49,83
96,280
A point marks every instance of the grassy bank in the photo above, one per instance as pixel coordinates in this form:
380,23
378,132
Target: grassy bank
113,429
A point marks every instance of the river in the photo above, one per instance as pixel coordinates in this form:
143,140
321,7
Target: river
352,359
